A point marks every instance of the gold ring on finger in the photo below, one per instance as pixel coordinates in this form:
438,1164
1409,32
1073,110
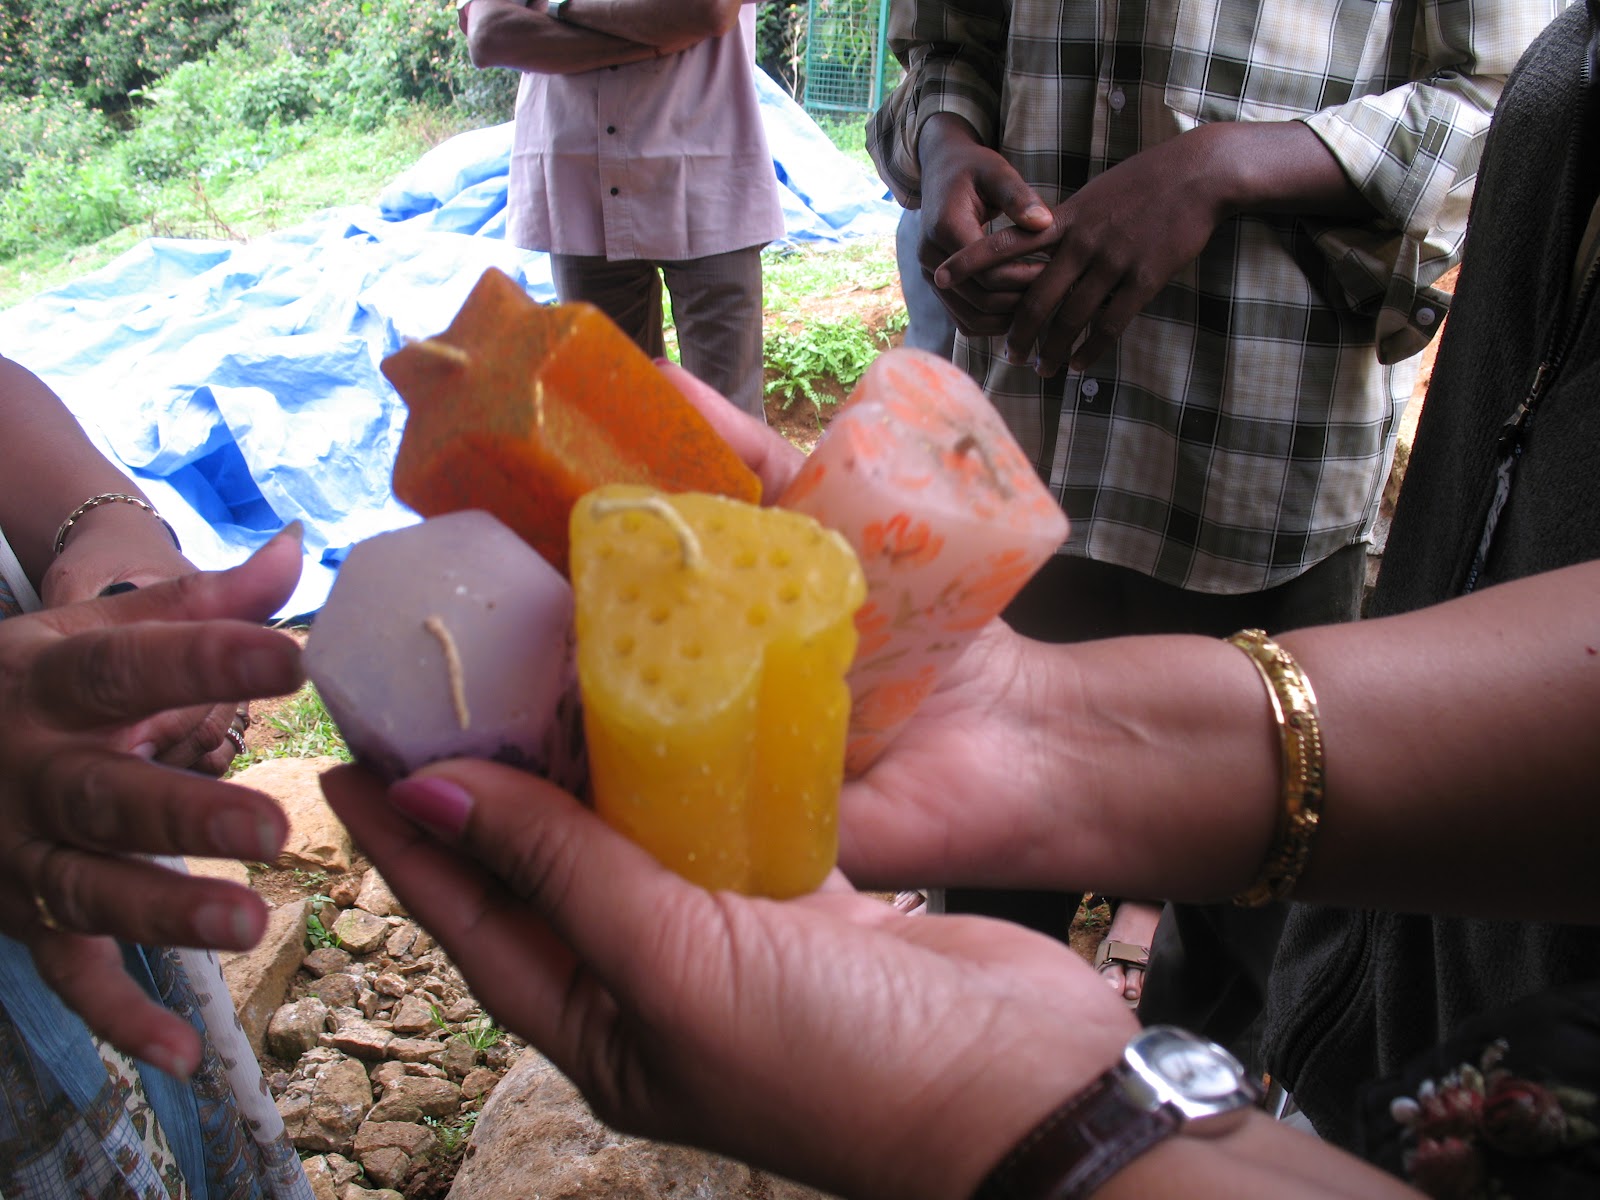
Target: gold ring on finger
41,910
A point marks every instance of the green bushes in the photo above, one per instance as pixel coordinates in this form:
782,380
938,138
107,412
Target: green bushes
189,94
105,50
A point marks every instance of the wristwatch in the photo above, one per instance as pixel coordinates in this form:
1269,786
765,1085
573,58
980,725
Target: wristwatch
1168,1082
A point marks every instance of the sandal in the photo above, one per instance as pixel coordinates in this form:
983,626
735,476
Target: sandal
1127,955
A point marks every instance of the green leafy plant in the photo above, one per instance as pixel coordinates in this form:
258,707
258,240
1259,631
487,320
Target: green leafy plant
480,1034
839,349
452,1134
318,935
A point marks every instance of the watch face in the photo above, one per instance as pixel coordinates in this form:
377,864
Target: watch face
1195,1070
1201,1078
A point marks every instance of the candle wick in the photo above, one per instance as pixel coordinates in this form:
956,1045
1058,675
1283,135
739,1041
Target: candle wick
966,444
453,669
693,559
444,350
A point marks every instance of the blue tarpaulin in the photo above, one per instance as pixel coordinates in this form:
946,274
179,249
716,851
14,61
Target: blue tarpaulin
239,382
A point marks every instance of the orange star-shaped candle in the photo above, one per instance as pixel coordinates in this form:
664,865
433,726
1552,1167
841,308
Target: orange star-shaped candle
519,408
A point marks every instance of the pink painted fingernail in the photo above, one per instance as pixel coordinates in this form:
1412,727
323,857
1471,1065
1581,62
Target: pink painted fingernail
436,804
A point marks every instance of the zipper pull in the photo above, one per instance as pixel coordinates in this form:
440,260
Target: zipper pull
1510,439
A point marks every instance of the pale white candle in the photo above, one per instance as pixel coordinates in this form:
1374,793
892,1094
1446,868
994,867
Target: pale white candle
452,638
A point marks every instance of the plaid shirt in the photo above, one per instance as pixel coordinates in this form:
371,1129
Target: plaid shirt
1241,429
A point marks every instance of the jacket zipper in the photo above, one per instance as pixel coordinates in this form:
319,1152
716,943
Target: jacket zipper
1290,1060
1514,432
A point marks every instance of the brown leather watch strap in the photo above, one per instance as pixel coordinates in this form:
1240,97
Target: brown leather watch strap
1080,1145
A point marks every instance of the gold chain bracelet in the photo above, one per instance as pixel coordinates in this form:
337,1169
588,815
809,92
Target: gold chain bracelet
94,502
1294,708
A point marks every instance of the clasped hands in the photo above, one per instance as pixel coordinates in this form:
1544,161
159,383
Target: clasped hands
1060,283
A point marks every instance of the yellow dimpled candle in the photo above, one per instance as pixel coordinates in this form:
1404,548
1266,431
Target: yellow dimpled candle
713,640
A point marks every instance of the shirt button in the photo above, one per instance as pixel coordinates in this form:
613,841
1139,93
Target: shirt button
1426,316
613,191
1117,99
611,128
1090,388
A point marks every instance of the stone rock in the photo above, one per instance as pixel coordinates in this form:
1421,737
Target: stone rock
320,1177
230,869
537,1137
413,1015
353,1192
386,1074
387,1166
296,1028
324,960
336,990
359,1038
500,1056
413,1097
343,891
389,984
376,897
479,1081
258,979
317,839
360,932
414,1050
387,1149
329,1117
460,1010
344,1171
459,1057
407,941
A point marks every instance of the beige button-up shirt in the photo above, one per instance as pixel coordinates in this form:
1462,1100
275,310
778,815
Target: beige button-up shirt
665,159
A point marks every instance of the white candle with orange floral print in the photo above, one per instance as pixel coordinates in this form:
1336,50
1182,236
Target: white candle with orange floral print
947,515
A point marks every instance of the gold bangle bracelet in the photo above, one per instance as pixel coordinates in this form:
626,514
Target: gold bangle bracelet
1294,708
94,502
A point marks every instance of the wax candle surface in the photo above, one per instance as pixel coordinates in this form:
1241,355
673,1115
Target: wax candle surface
450,638
519,408
948,516
712,645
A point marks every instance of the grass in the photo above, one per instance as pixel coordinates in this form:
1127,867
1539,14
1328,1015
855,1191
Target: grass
331,167
793,276
305,730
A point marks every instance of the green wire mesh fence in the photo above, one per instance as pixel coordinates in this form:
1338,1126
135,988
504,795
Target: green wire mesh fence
848,67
